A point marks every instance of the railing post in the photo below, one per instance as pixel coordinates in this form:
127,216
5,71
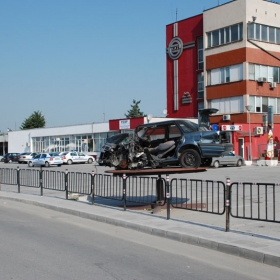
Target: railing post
66,183
124,191
168,196
227,203
18,180
92,187
41,179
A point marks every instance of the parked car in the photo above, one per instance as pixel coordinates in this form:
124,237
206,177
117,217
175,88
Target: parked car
11,157
2,158
24,157
229,159
76,157
45,159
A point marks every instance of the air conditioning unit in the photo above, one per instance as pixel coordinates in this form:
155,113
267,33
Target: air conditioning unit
272,85
258,130
226,117
261,79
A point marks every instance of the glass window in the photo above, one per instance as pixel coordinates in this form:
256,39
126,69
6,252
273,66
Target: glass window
200,79
240,28
215,36
174,131
215,77
227,35
251,30
252,102
278,35
209,41
234,32
227,74
222,34
258,31
270,74
251,72
272,102
276,74
271,34
258,104
263,70
200,53
264,104
264,32
278,106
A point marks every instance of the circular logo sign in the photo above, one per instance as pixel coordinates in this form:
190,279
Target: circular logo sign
175,48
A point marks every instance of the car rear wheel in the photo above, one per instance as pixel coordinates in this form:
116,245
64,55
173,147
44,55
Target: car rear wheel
90,160
190,158
239,162
69,161
216,164
47,164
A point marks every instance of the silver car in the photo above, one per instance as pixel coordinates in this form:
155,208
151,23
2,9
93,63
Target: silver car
45,159
228,159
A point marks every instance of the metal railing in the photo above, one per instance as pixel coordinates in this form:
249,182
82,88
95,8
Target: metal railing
198,195
243,200
255,201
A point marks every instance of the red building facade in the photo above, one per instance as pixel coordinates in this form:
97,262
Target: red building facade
228,58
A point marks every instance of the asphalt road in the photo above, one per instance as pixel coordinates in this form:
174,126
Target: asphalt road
38,243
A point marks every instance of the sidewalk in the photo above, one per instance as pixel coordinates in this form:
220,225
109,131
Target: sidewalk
184,226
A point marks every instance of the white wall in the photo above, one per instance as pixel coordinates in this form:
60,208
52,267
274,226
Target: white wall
19,140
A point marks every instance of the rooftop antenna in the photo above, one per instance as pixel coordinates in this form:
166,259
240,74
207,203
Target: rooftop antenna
176,14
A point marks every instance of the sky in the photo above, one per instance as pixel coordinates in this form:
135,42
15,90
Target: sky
84,61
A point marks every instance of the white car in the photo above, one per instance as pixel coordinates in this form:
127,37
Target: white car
24,157
76,157
45,159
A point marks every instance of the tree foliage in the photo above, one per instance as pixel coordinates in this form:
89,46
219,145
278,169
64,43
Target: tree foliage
135,112
35,120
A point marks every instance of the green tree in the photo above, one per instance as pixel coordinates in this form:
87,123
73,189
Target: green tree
134,112
35,120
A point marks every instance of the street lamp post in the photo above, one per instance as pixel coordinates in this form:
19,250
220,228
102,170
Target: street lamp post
249,108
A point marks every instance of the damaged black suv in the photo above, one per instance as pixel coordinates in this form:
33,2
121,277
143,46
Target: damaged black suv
169,143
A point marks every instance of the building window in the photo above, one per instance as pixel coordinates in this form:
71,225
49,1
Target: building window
265,33
260,104
228,105
223,75
270,73
200,53
225,35
200,86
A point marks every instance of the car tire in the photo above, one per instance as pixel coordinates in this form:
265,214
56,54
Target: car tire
90,160
69,161
30,164
47,164
239,163
216,164
190,159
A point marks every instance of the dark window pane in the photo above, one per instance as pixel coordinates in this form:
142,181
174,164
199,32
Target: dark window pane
234,32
